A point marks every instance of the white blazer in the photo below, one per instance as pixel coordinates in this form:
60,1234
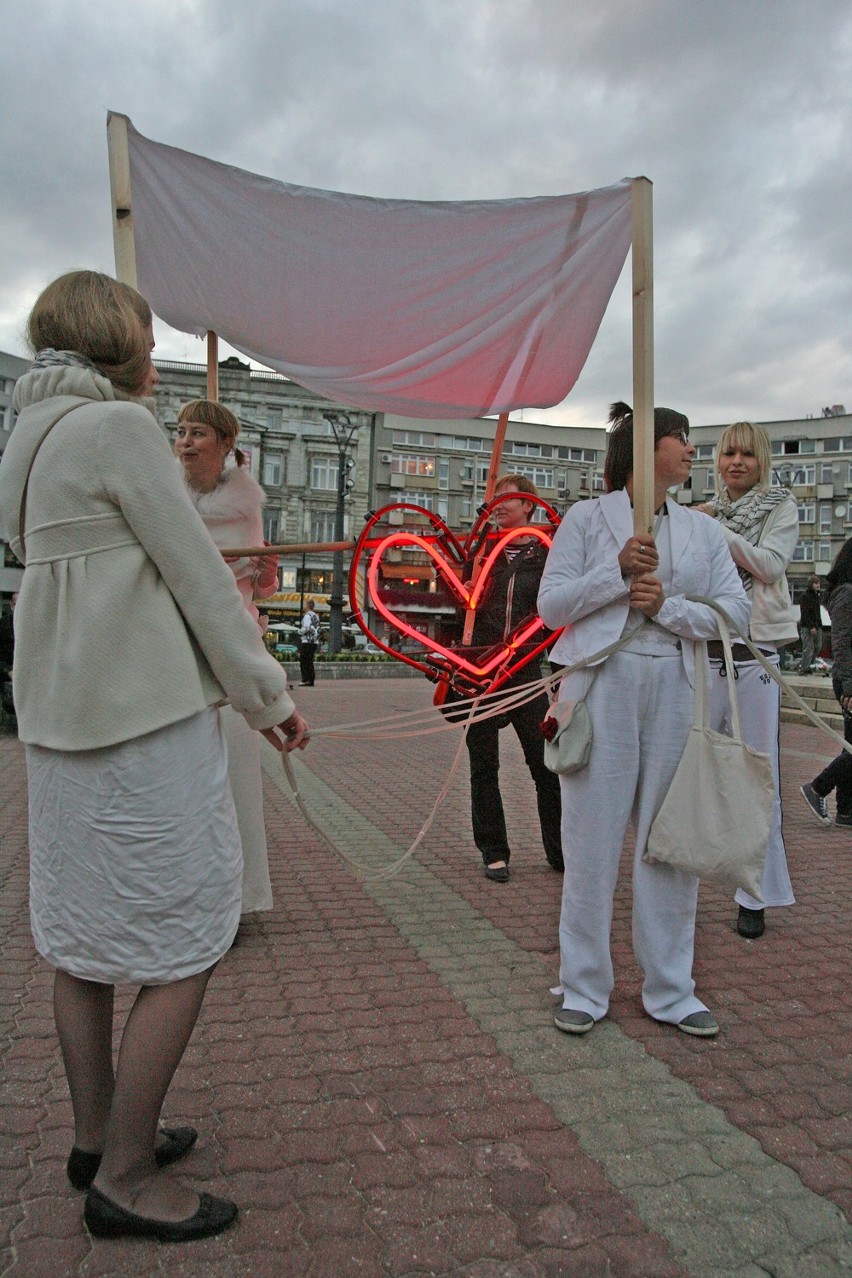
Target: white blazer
582,587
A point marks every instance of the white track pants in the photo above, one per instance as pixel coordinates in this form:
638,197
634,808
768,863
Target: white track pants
641,709
759,699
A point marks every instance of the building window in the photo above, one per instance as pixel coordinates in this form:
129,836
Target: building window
577,454
597,483
826,473
324,474
532,450
413,438
704,452
804,552
541,476
412,464
807,512
482,469
443,472
273,470
825,517
796,476
824,552
468,444
271,525
322,525
427,500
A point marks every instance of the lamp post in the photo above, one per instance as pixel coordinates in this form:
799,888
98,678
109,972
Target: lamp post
343,429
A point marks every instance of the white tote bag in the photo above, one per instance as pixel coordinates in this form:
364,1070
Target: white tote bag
715,819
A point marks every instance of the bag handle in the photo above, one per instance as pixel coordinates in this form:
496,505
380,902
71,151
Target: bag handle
701,714
22,513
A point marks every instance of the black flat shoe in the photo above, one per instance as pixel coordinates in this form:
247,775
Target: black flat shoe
82,1167
105,1219
497,873
750,923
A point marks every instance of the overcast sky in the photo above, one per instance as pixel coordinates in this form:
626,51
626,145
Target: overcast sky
738,111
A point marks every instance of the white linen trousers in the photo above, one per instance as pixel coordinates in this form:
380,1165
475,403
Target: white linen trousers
641,708
759,698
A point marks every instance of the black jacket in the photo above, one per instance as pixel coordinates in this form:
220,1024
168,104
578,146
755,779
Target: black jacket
840,611
810,617
510,595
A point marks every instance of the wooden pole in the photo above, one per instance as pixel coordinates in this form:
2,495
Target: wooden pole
288,548
120,194
212,365
643,355
491,484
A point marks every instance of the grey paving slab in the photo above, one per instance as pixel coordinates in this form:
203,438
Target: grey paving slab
723,1203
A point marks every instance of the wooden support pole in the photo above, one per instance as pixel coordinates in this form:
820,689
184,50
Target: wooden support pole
288,548
490,485
643,355
120,194
212,365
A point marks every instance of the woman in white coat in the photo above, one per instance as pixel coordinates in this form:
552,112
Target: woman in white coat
600,581
134,853
760,522
229,501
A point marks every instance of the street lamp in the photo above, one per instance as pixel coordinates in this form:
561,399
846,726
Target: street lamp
343,429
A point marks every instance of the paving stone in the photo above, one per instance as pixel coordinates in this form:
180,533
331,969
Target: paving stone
380,1086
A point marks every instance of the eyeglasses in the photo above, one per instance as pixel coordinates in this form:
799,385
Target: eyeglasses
681,435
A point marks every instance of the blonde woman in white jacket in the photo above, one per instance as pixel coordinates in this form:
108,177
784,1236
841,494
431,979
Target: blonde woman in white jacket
760,522
230,501
130,631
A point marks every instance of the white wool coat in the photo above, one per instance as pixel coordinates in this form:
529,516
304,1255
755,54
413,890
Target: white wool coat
128,619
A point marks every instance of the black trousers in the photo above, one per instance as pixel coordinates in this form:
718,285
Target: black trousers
306,662
487,817
838,774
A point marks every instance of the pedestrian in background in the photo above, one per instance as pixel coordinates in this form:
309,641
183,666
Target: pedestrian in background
838,775
810,625
309,633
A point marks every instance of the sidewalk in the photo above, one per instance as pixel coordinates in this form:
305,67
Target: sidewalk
378,1082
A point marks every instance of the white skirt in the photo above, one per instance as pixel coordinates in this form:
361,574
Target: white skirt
246,781
135,859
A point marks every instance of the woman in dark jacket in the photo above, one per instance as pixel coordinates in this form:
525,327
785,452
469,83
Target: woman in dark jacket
838,774
511,596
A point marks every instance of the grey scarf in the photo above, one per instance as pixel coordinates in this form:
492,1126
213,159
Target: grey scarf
49,358
747,515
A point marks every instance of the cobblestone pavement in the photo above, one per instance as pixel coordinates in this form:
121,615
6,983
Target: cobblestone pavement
378,1082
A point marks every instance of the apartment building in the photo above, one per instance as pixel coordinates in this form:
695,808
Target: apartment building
296,443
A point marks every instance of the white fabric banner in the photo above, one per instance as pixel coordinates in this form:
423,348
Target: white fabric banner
444,309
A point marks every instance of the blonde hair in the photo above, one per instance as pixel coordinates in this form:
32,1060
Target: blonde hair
99,317
751,438
209,412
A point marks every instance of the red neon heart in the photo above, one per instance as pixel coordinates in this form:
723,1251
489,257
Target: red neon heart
467,598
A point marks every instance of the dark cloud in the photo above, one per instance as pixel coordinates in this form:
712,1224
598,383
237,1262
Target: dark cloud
740,114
